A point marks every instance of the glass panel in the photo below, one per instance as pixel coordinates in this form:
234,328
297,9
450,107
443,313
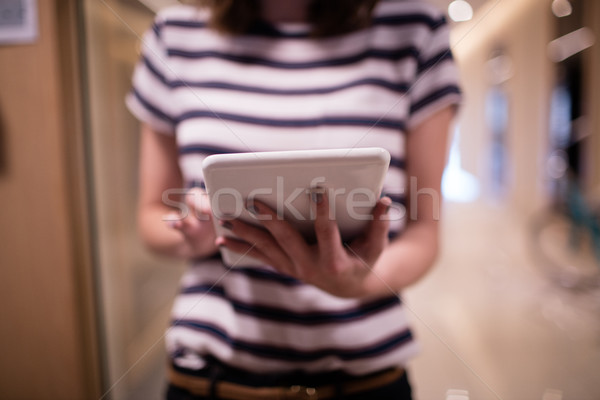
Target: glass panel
136,287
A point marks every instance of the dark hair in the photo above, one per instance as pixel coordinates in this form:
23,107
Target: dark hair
327,17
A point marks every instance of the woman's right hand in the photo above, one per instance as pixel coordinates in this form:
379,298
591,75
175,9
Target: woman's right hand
170,229
195,225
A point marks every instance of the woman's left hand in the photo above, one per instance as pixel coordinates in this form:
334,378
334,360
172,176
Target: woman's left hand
342,270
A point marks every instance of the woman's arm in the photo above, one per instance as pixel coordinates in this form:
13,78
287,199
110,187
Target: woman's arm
184,230
409,258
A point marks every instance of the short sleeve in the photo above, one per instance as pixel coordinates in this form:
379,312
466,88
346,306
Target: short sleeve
151,96
436,83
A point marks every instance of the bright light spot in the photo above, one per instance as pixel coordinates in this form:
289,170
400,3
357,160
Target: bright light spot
562,8
500,68
457,184
557,165
572,43
460,10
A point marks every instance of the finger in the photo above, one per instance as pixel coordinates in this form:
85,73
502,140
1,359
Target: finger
242,247
258,242
197,200
375,238
189,226
287,237
381,210
173,220
328,235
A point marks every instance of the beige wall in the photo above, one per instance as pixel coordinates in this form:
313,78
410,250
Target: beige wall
48,348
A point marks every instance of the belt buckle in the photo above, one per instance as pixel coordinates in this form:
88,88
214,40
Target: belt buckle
303,392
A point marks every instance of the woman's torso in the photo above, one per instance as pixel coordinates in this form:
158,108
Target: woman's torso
278,89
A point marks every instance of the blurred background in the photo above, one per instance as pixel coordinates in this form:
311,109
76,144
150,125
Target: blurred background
512,310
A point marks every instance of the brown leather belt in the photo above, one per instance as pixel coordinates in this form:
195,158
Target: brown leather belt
232,391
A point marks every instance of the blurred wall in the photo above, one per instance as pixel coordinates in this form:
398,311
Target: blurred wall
47,332
136,287
522,29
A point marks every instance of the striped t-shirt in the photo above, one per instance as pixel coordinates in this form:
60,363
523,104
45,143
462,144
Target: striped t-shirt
277,88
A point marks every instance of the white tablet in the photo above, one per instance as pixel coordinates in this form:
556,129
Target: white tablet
284,180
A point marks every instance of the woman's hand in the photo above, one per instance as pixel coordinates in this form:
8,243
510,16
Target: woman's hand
342,270
195,225
162,227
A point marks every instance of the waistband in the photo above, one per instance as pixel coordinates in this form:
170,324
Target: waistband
222,388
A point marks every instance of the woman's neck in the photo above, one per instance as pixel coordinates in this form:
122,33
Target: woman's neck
284,10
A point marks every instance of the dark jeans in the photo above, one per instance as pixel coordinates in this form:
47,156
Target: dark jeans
397,390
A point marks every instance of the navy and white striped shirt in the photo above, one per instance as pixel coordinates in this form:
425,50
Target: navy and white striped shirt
276,88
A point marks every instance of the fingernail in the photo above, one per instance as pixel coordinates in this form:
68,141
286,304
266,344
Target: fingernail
316,195
251,207
388,208
226,224
389,205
